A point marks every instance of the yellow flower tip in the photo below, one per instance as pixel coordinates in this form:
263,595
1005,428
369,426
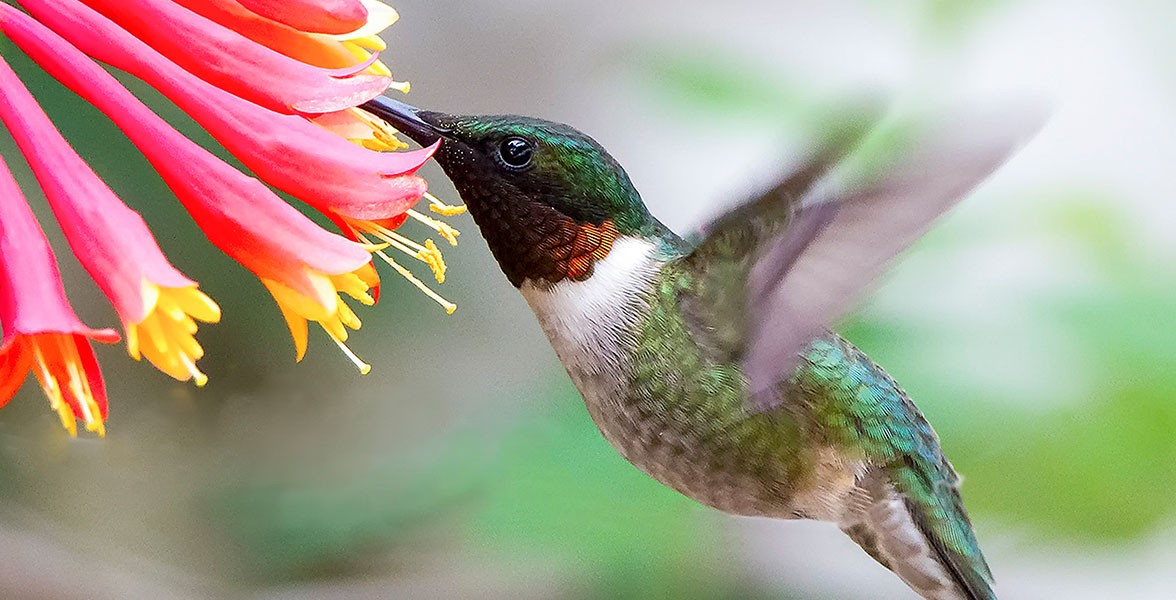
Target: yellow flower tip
335,319
166,336
379,68
447,210
368,42
133,342
403,87
68,420
431,255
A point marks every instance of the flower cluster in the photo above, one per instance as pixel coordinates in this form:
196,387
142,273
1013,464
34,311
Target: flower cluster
276,82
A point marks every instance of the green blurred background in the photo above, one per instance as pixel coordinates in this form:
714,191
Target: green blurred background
1036,327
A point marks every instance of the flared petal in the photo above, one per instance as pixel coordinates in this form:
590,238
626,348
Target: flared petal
32,297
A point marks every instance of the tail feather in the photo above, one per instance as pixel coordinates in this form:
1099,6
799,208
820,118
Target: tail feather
895,533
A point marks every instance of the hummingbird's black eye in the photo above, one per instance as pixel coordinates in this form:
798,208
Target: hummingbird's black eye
516,152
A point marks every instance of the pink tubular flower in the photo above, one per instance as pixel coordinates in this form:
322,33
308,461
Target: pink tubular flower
344,181
236,64
278,84
156,303
303,265
41,332
366,193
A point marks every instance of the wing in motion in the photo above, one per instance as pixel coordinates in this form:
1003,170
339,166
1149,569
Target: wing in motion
810,246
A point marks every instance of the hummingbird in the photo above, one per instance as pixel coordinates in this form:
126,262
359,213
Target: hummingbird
709,364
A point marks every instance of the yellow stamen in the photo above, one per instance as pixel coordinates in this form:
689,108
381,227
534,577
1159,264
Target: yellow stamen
80,386
383,136
428,253
364,368
443,209
446,230
405,273
53,391
61,373
166,336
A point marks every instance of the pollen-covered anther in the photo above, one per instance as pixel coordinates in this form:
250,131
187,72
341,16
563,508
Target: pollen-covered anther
427,253
445,230
405,273
443,209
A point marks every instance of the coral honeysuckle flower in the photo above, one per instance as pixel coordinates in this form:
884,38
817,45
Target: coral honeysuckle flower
239,65
41,332
302,264
276,82
364,191
158,306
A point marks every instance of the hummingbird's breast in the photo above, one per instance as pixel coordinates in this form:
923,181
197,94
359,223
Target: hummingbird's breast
658,399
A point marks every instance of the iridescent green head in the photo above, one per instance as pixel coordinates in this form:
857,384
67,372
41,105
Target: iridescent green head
549,199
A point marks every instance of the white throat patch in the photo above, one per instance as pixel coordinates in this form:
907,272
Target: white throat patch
589,322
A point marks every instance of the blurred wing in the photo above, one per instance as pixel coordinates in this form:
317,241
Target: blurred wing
809,254
723,259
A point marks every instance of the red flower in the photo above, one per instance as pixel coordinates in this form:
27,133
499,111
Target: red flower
41,332
243,84
155,302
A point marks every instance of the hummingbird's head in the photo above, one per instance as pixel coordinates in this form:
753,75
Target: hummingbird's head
549,200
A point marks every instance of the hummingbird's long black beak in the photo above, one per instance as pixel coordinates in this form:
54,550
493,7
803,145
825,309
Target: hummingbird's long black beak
407,119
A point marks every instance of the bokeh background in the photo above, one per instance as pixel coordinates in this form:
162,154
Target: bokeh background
1036,327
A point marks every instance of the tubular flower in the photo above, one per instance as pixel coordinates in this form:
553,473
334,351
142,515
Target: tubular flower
278,84
41,332
239,215
360,189
155,302
289,152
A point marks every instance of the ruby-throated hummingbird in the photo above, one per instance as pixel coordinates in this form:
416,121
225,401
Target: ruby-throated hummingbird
708,365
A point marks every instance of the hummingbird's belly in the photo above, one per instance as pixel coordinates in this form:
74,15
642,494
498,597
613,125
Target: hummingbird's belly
737,468
667,409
